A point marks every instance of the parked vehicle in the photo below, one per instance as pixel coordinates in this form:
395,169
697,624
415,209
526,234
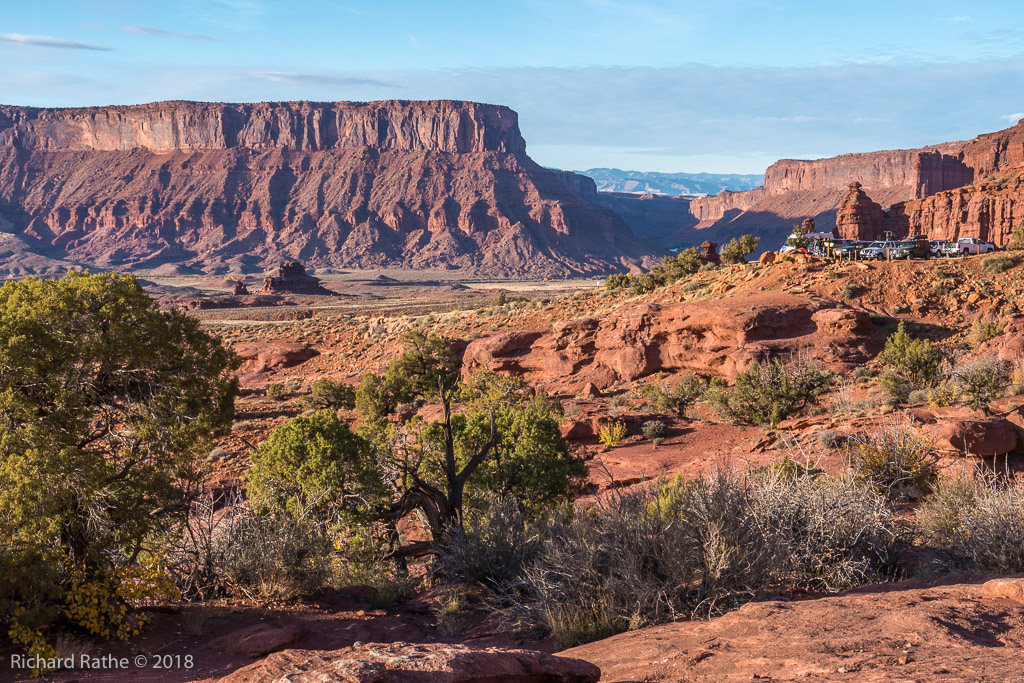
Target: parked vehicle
902,250
850,250
809,237
915,246
968,246
826,247
878,250
936,247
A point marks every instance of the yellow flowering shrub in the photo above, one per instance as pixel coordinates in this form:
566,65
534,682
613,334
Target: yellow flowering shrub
103,604
33,642
612,434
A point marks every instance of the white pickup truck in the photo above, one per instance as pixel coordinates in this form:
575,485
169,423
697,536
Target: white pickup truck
967,246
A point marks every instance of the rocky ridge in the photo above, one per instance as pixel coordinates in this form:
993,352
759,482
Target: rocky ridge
957,189
239,187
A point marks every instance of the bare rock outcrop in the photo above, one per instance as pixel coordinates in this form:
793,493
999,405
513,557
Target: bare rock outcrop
712,338
795,188
292,278
238,187
240,288
408,663
911,631
858,217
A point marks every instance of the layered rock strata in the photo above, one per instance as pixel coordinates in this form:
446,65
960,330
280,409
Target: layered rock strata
229,187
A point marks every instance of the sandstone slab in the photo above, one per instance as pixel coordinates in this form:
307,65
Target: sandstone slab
407,663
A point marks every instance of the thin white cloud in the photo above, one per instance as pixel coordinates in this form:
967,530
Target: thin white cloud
962,17
319,78
151,31
49,41
1013,118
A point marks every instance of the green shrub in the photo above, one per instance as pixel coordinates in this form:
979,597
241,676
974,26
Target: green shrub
612,433
985,330
1017,240
677,398
275,390
654,429
849,291
768,392
327,393
909,362
617,281
108,406
998,264
738,248
978,382
645,283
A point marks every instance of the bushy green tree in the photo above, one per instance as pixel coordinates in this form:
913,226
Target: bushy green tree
426,364
425,361
107,407
326,393
769,392
315,464
738,248
617,281
798,237
504,440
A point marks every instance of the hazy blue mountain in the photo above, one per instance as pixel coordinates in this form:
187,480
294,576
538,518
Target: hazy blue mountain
641,182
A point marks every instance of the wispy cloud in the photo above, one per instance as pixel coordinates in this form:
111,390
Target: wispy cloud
958,19
1013,118
151,31
49,41
319,79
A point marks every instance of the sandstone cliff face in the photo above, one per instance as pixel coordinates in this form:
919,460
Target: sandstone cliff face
794,190
997,151
989,210
164,127
227,187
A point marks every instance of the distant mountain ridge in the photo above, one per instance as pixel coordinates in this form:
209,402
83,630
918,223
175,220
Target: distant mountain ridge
643,182
243,187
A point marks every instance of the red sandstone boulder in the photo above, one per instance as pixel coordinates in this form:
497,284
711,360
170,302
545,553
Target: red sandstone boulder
1004,589
975,436
407,663
767,258
258,639
841,321
271,355
240,289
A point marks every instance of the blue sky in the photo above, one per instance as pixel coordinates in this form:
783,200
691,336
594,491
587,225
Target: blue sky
719,86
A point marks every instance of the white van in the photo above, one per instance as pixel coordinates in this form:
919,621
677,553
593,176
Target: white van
810,237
